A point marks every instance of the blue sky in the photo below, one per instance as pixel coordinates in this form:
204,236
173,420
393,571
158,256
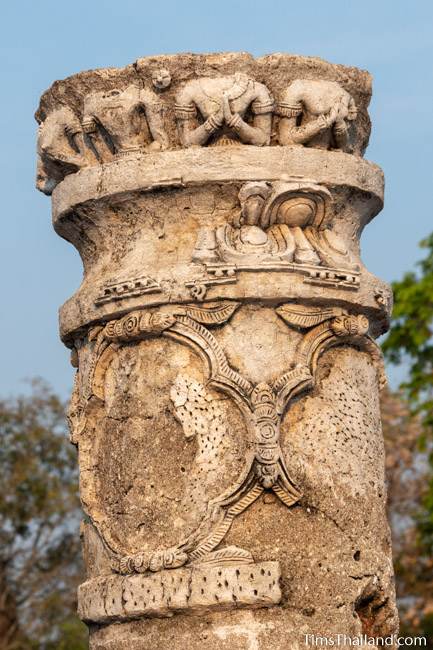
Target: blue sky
47,40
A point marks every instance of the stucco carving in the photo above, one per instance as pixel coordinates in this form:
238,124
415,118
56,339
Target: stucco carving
116,122
222,103
61,148
278,222
127,288
316,114
161,78
203,418
190,590
225,402
127,116
281,225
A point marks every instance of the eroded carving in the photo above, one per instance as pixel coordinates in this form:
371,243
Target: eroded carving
222,103
161,78
316,114
229,555
203,418
305,316
124,121
212,313
137,325
193,589
280,226
127,117
128,288
61,149
186,415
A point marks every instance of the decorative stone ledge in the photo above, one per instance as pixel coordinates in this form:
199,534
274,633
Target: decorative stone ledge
162,103
170,169
189,590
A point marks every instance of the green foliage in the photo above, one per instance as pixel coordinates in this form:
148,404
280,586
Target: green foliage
40,562
411,341
410,338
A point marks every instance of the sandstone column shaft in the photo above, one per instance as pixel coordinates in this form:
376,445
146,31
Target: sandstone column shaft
225,405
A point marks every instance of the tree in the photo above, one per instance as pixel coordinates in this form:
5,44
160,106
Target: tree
410,338
406,473
410,342
40,562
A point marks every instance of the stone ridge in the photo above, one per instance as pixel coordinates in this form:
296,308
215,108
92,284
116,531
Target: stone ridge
189,590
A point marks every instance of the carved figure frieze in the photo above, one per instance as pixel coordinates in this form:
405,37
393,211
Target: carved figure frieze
124,121
208,111
316,113
112,122
262,406
214,111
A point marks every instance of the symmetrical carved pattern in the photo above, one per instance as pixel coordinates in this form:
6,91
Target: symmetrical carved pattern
223,340
222,103
281,226
262,406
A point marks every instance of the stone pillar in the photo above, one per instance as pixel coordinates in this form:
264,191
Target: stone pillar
226,400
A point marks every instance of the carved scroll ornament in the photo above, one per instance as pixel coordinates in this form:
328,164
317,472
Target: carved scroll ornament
262,406
281,225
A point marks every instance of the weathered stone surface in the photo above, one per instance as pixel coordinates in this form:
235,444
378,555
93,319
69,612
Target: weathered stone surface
225,405
194,590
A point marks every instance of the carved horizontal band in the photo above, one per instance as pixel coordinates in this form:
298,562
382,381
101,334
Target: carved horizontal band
209,111
185,168
187,590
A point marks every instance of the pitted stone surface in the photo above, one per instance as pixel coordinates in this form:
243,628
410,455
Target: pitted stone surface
225,405
192,591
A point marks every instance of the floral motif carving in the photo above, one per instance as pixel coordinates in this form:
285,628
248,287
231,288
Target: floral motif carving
304,316
280,226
